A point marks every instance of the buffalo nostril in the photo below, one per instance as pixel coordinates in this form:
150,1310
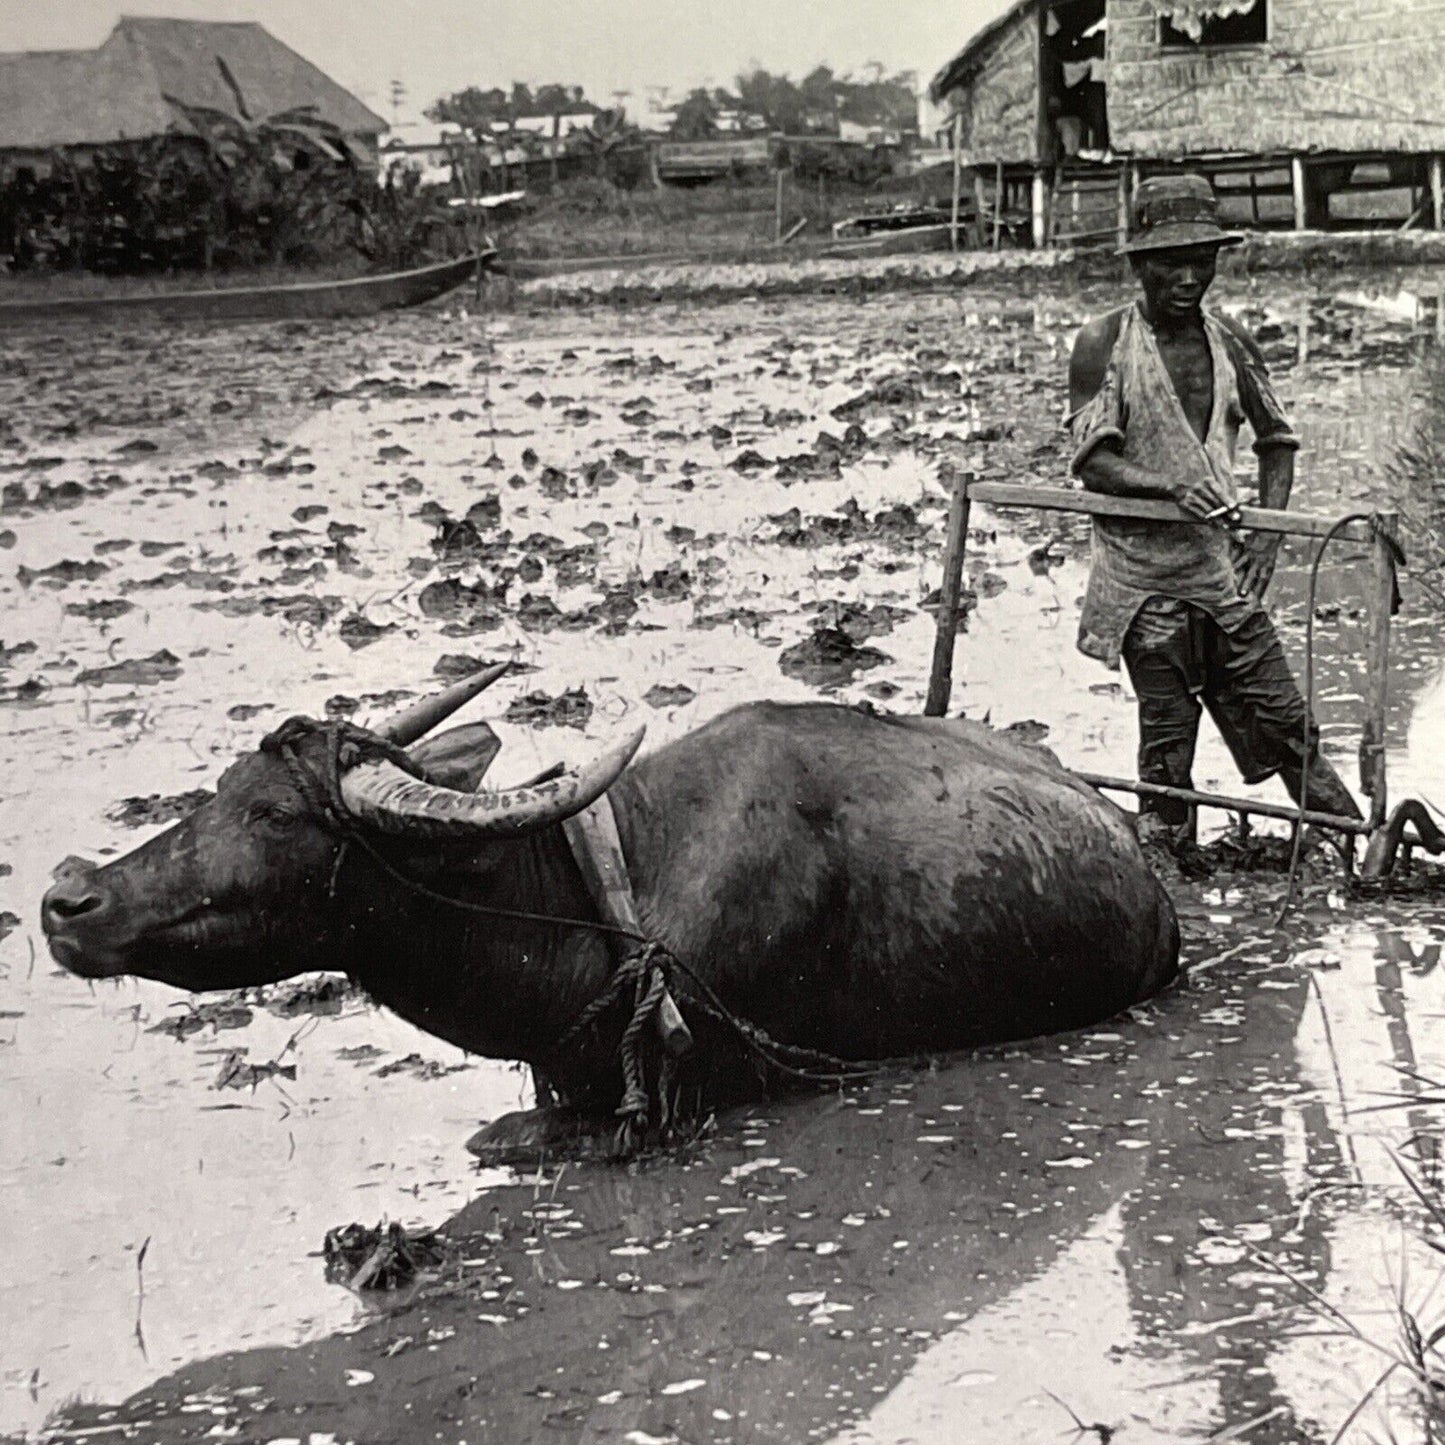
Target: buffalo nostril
65,908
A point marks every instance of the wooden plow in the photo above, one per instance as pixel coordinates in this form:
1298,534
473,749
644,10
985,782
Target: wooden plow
1409,825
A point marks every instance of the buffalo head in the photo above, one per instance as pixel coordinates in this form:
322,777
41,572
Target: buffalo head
239,892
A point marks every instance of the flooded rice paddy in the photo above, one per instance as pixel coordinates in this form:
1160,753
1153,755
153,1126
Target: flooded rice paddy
1190,1224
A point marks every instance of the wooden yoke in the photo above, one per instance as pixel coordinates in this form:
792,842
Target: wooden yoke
940,681
595,844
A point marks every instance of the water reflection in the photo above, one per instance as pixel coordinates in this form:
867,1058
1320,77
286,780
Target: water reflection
1185,1309
1061,1350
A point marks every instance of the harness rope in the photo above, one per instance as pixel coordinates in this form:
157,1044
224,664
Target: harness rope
647,968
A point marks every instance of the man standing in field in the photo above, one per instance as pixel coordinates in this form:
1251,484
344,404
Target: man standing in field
1157,392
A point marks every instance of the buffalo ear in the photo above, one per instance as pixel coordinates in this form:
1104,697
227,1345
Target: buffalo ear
458,758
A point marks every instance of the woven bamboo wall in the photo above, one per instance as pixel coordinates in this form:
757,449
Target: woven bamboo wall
1001,102
1345,75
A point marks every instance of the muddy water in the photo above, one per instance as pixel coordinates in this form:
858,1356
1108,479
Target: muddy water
1134,1175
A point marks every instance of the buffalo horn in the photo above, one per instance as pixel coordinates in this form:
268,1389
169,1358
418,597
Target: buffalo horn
389,799
421,717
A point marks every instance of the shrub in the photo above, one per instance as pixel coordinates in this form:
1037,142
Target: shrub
232,194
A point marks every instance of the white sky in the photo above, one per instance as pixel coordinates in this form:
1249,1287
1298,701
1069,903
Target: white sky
436,46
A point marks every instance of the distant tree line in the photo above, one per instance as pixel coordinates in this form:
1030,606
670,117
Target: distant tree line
497,114
816,105
608,146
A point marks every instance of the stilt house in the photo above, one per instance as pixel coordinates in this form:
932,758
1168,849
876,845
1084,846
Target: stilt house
1311,114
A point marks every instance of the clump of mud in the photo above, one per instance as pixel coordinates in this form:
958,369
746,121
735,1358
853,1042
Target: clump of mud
162,666
664,695
388,1257
1246,854
417,1067
1414,879
829,658
324,994
538,709
216,1014
237,1072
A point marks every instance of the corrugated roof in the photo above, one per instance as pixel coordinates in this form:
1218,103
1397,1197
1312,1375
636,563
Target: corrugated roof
119,91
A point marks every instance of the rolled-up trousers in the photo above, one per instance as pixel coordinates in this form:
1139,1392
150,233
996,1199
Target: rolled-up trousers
1182,661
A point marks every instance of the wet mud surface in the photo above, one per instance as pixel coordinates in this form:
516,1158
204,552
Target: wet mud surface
661,514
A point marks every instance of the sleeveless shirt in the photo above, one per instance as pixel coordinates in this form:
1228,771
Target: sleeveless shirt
1138,412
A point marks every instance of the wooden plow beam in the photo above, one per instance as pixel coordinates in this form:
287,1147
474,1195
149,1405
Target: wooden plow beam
1386,834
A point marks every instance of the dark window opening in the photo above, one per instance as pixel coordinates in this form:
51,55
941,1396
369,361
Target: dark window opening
1075,102
1250,28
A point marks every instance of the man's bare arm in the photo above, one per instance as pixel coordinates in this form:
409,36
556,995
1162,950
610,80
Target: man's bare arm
1256,555
1276,476
1104,470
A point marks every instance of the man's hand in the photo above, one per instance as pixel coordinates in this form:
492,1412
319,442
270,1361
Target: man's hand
1202,497
1254,559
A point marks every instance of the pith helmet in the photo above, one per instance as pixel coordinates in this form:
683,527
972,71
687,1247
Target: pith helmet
1173,211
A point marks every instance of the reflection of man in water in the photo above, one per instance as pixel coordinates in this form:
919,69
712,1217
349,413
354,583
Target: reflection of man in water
1236,1160
1157,393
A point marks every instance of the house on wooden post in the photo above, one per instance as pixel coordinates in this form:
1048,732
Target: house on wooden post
1311,114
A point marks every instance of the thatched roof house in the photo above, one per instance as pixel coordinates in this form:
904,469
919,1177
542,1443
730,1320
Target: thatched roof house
1311,98
992,85
137,83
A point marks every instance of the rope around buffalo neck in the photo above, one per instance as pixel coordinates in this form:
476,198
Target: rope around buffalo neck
830,1068
647,967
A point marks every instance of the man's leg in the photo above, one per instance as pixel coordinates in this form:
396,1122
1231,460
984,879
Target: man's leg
1158,652
1254,700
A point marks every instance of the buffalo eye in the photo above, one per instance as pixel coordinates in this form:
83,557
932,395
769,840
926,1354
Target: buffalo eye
270,815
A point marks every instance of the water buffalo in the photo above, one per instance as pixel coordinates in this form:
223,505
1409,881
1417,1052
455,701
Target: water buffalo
864,885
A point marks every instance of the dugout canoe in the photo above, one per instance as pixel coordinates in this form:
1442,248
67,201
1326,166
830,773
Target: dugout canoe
901,241
301,301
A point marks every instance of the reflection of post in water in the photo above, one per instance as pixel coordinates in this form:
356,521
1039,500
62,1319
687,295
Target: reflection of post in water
1218,1188
1302,334
1423,1141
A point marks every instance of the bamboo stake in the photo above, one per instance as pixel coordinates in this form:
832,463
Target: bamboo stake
1297,189
1377,667
778,205
998,205
1222,801
980,209
940,678
1437,193
1038,211
958,180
